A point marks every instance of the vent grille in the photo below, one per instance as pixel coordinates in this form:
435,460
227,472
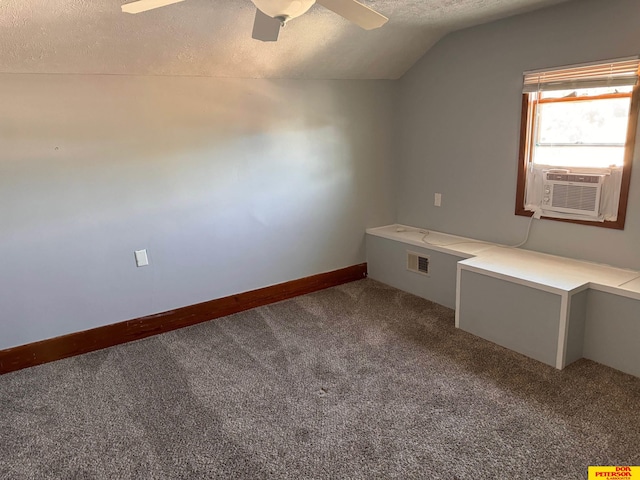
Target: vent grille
576,197
418,263
572,193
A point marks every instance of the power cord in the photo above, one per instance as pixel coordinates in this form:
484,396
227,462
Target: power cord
526,238
426,233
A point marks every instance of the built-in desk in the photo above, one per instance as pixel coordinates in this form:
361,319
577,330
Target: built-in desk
530,302
387,249
550,308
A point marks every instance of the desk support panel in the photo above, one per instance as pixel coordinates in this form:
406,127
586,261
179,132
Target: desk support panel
514,316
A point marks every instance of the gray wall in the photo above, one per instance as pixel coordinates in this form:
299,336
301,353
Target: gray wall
460,113
612,331
231,185
387,263
237,184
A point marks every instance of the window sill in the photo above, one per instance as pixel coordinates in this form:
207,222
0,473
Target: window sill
617,225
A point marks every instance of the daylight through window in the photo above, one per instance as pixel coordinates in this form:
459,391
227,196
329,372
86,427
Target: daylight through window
577,138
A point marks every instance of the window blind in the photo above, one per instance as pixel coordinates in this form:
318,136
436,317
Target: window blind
611,73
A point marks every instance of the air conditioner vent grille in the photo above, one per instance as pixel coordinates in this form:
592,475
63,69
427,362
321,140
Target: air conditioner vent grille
575,197
572,193
418,263
423,264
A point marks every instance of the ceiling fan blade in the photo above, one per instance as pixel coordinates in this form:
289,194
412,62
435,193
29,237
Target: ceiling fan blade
266,28
144,5
355,12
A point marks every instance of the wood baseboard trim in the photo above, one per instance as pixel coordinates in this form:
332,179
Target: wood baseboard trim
86,341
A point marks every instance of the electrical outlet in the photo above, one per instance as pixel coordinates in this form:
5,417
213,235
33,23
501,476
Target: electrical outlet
437,201
141,258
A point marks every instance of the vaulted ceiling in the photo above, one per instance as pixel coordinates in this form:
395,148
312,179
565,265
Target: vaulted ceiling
213,38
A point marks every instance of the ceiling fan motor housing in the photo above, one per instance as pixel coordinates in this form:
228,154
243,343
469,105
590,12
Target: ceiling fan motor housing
284,9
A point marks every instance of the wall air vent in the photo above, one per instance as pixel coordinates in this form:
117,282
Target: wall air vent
572,193
417,262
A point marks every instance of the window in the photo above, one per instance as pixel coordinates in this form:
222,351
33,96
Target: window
578,125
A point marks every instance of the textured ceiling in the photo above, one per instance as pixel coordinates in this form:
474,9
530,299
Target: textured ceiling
213,38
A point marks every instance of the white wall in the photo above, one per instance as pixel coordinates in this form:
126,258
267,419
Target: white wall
231,185
460,112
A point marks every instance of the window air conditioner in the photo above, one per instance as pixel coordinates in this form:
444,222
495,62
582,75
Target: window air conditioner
572,193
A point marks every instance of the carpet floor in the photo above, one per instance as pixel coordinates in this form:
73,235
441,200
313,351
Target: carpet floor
359,381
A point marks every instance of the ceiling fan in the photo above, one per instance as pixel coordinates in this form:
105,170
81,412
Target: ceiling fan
271,15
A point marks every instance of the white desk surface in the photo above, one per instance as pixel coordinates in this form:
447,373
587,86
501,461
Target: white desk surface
542,270
438,241
539,270
629,289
